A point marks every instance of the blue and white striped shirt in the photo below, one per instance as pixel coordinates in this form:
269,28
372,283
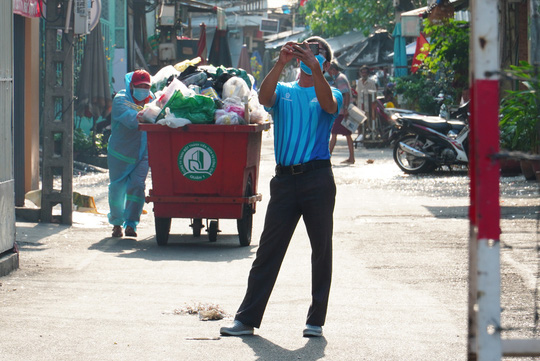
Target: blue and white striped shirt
301,127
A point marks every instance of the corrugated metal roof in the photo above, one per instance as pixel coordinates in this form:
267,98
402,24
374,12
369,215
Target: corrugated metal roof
345,41
458,5
280,39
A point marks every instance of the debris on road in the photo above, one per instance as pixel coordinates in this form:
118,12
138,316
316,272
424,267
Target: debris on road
206,312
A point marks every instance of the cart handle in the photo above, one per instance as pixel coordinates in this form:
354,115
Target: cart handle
172,199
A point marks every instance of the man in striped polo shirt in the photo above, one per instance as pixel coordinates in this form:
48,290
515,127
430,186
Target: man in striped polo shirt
304,112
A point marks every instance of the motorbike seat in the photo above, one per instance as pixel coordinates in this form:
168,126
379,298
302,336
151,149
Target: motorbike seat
457,125
436,123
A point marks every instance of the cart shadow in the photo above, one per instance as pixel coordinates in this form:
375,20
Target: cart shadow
267,350
179,248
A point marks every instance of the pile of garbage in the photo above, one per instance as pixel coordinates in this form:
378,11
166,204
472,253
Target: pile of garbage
203,94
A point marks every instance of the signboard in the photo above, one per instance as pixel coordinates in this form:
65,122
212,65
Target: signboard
28,8
410,25
269,25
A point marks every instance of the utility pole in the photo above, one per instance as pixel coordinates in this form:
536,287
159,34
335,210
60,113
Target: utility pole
58,114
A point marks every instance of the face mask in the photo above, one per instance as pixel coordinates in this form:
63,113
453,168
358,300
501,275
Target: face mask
306,68
140,94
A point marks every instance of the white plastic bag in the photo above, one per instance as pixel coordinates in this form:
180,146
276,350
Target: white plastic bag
225,117
235,87
150,112
257,114
161,77
169,90
234,104
171,121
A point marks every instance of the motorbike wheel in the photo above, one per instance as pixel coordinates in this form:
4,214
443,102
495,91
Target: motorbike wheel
408,162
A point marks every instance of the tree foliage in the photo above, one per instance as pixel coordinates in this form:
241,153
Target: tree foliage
520,110
444,71
449,51
330,18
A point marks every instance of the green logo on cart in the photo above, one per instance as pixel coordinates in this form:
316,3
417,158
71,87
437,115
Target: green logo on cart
197,161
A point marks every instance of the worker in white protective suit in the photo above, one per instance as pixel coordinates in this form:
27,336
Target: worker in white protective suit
127,155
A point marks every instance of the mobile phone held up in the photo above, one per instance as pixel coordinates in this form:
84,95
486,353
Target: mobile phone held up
314,47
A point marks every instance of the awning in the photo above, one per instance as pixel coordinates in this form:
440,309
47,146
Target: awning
345,41
373,51
280,39
198,7
458,5
415,12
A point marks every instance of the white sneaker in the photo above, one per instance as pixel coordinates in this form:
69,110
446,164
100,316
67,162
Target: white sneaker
237,329
312,331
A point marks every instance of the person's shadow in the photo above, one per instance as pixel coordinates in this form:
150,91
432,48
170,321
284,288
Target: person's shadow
267,350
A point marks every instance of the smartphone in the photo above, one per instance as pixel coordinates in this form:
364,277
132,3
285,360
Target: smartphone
314,47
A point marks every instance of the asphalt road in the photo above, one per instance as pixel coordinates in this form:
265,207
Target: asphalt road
399,287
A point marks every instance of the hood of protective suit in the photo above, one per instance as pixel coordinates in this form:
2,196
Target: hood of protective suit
128,94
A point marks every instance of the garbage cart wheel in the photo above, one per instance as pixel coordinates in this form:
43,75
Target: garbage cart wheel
213,231
163,227
196,224
245,224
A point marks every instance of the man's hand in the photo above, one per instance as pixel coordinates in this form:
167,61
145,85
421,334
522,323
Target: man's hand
303,53
286,53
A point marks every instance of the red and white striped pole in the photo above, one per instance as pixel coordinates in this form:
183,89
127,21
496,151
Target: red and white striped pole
484,213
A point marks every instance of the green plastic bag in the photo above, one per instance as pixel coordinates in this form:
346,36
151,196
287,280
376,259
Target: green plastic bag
199,109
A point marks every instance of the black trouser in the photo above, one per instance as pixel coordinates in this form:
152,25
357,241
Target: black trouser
311,195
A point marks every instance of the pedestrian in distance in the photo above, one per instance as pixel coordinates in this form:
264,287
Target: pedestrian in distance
364,87
304,111
127,154
341,82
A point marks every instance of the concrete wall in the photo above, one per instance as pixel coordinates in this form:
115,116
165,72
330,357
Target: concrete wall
7,184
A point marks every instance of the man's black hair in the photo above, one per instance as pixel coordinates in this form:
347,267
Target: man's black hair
334,64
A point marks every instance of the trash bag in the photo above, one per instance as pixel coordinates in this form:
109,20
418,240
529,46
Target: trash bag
235,87
199,109
196,78
220,81
163,77
228,118
234,105
172,121
169,90
183,65
221,75
150,112
236,72
258,114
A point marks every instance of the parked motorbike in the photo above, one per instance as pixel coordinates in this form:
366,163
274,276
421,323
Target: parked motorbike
424,143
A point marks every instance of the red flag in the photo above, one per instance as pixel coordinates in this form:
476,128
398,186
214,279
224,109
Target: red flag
421,52
201,45
303,2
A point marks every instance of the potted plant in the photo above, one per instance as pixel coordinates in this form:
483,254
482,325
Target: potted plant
520,115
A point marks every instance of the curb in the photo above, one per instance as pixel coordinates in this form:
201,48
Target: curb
9,261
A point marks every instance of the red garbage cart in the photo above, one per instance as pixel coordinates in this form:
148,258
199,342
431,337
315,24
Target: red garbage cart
204,171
